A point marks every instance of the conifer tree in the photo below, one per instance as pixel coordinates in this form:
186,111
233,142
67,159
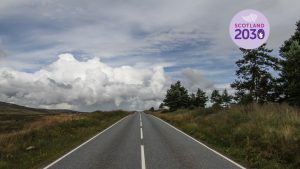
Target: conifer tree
193,100
226,98
177,97
201,98
290,75
216,98
254,77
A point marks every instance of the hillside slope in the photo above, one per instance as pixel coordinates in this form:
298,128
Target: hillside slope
9,108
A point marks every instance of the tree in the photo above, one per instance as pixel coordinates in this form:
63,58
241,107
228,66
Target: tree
193,102
241,97
288,43
177,97
151,109
226,98
216,98
201,98
254,77
161,106
290,73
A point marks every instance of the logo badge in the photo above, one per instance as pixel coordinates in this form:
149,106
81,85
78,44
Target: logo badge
249,29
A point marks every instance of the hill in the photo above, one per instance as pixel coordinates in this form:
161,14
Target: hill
9,108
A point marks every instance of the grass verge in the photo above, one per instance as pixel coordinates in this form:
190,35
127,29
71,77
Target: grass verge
257,136
34,140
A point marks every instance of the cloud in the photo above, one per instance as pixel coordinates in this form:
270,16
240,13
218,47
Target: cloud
62,85
135,28
144,35
195,80
85,85
2,53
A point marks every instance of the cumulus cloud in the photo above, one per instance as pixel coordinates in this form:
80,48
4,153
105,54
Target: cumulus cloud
195,79
173,34
85,85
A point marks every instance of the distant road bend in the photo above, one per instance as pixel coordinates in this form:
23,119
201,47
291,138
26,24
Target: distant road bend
141,141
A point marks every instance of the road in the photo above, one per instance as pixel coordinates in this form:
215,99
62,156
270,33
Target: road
141,141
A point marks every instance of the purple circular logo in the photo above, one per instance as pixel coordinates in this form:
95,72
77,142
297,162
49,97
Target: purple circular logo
249,29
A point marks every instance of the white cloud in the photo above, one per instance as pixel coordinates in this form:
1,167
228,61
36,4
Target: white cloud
147,35
226,86
195,80
85,85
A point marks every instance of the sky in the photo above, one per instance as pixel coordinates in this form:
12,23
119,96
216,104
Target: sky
114,54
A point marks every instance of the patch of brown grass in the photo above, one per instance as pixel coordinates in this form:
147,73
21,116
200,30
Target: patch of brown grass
48,120
177,116
52,120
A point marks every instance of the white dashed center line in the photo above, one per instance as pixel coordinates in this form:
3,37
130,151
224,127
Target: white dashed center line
141,133
142,146
143,157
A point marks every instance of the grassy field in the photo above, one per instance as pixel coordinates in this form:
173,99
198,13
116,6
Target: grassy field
256,136
30,139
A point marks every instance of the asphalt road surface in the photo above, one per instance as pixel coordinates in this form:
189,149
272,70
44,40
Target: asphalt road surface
141,141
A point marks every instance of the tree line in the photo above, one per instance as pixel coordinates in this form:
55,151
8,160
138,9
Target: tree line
261,78
178,97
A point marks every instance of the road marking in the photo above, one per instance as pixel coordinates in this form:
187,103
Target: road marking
143,157
48,166
140,117
142,134
142,146
141,122
202,144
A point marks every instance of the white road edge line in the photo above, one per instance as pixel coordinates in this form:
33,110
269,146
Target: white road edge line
142,134
143,157
51,164
202,144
